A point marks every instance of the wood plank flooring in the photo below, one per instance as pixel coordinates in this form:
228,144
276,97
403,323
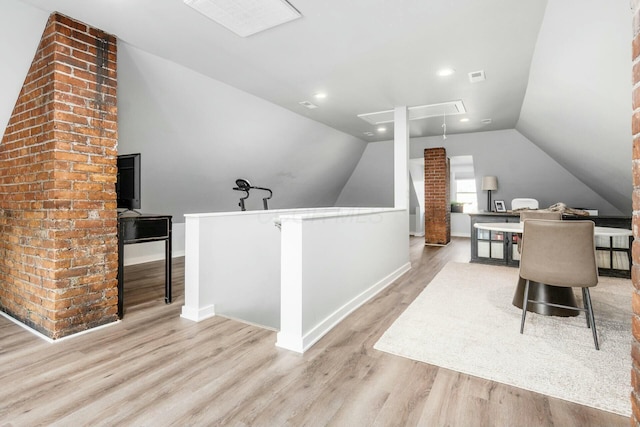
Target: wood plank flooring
156,369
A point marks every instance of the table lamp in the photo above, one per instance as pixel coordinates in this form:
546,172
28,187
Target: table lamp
489,184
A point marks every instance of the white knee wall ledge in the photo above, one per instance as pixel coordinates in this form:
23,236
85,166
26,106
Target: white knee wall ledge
332,264
294,339
304,277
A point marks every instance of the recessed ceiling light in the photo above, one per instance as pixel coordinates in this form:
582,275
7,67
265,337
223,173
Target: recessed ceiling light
368,133
466,119
246,17
320,95
382,129
446,72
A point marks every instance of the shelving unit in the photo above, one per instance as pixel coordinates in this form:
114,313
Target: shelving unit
493,247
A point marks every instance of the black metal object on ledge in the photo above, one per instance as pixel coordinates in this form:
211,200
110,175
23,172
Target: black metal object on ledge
245,185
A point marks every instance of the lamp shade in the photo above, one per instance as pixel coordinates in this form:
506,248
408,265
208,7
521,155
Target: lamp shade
489,183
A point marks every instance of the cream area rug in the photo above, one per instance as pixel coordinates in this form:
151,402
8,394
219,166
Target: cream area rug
464,321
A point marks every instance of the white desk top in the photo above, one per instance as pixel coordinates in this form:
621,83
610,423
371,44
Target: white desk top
516,227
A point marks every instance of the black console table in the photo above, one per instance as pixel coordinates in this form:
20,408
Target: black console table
140,228
498,248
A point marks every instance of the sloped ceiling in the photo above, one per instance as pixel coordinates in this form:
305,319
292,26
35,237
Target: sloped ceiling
558,71
367,55
578,102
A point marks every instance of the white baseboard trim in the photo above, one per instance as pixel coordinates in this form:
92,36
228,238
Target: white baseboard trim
300,344
50,340
460,234
198,314
246,322
417,234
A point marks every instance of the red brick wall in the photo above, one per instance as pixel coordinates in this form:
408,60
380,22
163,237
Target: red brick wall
635,270
58,219
437,200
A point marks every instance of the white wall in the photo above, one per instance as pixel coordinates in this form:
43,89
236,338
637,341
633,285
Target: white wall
578,107
371,183
198,135
523,170
416,171
21,27
460,225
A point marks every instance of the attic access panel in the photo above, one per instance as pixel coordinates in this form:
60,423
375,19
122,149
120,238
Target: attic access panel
419,112
246,17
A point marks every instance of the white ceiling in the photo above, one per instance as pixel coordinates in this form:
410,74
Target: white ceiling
367,55
557,71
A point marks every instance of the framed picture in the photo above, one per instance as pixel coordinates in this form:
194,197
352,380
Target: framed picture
499,204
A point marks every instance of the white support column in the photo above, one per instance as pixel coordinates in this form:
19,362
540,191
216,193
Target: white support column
192,308
401,158
291,335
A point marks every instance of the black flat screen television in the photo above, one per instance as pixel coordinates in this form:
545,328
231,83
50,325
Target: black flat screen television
128,181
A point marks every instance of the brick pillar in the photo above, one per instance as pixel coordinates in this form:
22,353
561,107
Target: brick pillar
635,270
437,200
58,219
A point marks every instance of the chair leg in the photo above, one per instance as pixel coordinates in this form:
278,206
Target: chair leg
525,302
592,320
584,302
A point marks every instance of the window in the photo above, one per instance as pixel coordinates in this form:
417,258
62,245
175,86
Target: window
466,193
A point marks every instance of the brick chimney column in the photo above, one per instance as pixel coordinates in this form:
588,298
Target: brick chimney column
437,200
58,218
635,270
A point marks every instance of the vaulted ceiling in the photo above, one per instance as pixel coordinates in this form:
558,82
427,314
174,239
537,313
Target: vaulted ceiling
558,71
366,55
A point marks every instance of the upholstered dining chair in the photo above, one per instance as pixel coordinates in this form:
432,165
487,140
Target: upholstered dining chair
536,215
540,215
563,254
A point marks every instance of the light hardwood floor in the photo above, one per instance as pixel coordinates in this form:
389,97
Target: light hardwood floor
155,369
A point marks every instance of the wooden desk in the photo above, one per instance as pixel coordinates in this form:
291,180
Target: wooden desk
141,228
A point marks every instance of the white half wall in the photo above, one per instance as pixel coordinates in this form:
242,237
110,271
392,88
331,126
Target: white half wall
334,263
232,266
301,278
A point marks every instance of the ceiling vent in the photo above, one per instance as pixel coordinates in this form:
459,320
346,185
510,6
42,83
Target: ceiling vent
246,17
309,105
486,121
477,76
450,108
